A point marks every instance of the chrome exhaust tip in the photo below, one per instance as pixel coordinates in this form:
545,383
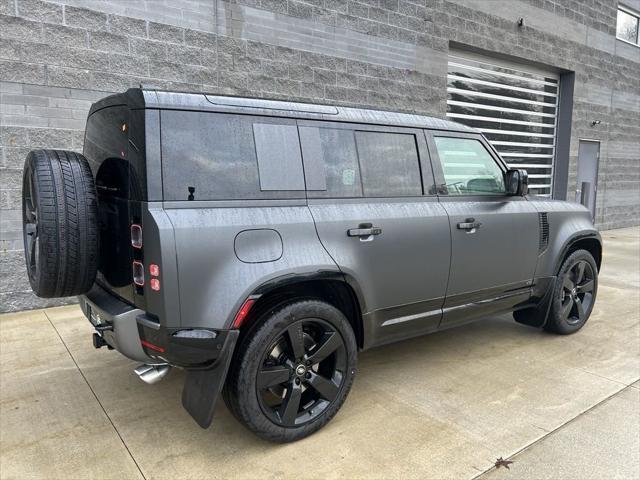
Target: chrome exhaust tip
152,373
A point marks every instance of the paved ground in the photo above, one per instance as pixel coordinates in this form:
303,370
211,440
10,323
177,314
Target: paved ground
441,406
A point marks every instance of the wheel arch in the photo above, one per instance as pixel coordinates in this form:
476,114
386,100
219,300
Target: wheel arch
329,286
590,242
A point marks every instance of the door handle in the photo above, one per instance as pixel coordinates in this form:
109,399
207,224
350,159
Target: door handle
364,232
470,225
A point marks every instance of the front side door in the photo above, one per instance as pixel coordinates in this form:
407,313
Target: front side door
494,237
392,241
588,157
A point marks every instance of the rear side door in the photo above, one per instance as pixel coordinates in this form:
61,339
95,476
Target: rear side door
392,242
494,237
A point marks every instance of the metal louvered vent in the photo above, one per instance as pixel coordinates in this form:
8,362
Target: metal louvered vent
515,107
544,231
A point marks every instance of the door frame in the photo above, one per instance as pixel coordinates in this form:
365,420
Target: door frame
595,185
465,306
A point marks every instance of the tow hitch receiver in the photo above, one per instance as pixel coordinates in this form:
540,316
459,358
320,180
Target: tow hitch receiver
98,341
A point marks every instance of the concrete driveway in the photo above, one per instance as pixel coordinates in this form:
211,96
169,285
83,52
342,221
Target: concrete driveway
441,406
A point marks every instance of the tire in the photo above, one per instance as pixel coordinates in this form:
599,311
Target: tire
279,391
574,294
60,223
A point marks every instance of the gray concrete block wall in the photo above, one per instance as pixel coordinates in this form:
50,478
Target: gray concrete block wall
57,56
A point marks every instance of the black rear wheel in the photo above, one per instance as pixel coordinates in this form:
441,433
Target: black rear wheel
293,373
575,293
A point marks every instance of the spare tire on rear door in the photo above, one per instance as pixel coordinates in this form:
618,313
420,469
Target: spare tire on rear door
60,223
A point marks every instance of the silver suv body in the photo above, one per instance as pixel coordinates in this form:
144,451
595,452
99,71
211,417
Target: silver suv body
215,213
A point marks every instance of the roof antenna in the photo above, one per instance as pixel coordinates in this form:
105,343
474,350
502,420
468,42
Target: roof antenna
192,190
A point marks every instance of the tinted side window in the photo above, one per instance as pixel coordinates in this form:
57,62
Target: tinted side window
331,162
216,154
389,163
468,167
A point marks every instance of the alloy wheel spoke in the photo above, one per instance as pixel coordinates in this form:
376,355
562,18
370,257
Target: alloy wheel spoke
28,210
585,287
325,387
290,405
579,307
330,344
271,376
567,306
296,339
32,252
568,284
579,272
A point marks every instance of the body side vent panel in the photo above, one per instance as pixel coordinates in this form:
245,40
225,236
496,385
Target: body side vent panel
544,232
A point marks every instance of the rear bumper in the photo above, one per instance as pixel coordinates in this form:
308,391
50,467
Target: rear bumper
105,310
205,353
140,336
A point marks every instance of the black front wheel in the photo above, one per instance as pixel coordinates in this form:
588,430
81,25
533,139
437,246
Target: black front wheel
575,293
293,372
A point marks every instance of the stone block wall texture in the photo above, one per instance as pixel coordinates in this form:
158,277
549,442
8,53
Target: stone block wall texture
58,56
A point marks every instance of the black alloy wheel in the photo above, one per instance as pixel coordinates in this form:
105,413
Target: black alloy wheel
293,369
30,223
577,292
302,372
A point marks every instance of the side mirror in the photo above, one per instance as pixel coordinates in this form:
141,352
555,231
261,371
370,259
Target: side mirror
517,182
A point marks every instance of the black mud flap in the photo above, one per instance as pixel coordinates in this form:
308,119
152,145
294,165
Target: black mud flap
537,316
202,387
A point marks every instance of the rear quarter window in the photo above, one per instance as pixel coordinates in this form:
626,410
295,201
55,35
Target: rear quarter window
229,157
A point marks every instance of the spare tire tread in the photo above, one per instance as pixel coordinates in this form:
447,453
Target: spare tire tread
67,223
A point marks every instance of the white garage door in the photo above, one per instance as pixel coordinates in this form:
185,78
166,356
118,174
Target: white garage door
515,107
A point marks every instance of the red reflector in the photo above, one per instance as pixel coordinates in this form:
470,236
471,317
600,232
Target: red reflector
152,346
154,270
155,284
243,312
136,236
138,273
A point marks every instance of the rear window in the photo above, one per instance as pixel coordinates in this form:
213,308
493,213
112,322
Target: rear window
106,148
217,156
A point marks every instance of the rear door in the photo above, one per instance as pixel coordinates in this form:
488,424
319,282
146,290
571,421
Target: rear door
392,241
494,237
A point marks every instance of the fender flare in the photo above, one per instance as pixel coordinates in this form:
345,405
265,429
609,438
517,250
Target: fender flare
296,278
576,237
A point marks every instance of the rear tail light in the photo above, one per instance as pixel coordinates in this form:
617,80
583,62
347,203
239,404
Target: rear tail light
138,273
155,284
154,270
136,236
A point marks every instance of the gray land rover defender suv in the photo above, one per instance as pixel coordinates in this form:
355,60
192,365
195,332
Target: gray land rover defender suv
261,244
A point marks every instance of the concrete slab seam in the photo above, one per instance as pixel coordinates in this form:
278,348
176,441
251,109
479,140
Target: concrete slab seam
571,420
